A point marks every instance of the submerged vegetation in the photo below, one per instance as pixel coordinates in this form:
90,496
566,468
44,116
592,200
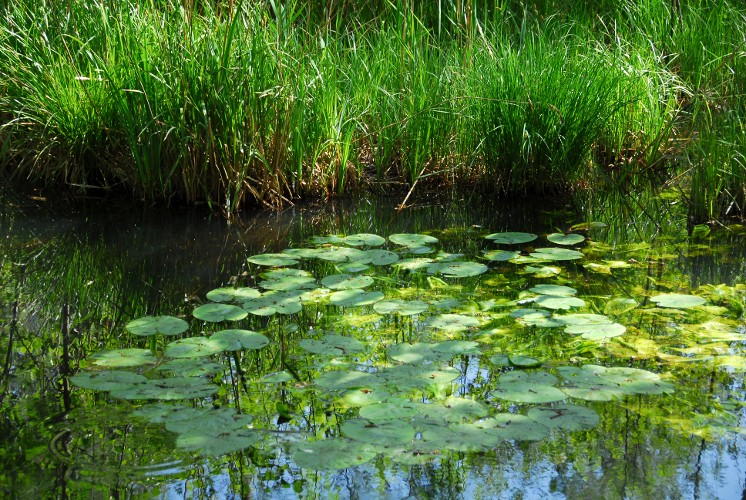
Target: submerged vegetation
233,102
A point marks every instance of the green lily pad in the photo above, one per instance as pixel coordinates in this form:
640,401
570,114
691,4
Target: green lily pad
525,387
413,240
365,396
596,331
550,254
331,454
583,319
345,379
513,426
364,239
382,433
340,254
286,279
511,238
193,347
566,239
535,317
524,361
167,389
210,422
460,437
553,302
500,255
275,302
453,322
123,357
277,377
584,383
543,271
106,380
554,290
355,298
400,307
636,381
500,360
346,281
232,294
414,264
619,306
227,442
236,340
379,257
190,367
677,300
389,410
352,267
152,325
457,269
565,416
417,352
454,409
215,313
273,259
332,345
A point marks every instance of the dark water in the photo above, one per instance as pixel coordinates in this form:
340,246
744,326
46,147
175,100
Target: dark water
95,268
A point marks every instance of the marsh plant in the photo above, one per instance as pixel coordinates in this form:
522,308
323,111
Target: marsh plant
231,102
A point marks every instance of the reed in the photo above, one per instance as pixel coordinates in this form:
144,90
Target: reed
235,102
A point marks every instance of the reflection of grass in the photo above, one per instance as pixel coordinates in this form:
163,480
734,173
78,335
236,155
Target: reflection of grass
253,101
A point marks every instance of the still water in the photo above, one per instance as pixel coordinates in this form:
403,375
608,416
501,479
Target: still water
435,363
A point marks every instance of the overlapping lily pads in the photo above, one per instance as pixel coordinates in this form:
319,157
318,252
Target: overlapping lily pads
332,345
273,259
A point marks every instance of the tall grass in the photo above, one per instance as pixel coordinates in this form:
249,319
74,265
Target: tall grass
235,102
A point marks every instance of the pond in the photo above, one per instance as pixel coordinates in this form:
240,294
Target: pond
459,348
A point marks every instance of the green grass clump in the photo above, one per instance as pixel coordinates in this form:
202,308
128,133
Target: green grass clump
263,102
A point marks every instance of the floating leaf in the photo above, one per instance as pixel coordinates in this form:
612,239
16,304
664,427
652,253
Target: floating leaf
365,396
355,298
636,381
331,454
379,257
277,377
227,442
389,410
209,422
273,259
619,306
677,300
167,389
286,279
597,331
400,307
414,264
364,239
413,240
500,255
554,290
565,416
584,383
552,302
123,357
457,269
556,254
340,254
152,325
566,239
232,294
454,409
543,271
583,319
340,379
215,313
332,345
106,380
189,367
236,340
524,361
460,437
453,322
511,238
514,427
525,387
385,433
275,302
346,281
193,347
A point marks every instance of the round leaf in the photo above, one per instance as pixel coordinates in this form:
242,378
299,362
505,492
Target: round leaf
677,300
215,313
236,340
566,239
511,238
151,325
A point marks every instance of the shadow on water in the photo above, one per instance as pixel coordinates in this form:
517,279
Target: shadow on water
71,281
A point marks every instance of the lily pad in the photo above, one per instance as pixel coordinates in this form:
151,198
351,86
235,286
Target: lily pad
331,454
167,389
524,361
210,422
514,427
236,340
332,345
413,240
193,347
597,332
277,377
455,409
382,433
636,381
511,238
346,281
106,380
227,442
275,302
340,254
345,379
364,239
414,264
565,416
152,325
190,367
379,257
525,387
620,305
453,322
286,279
389,410
215,313
554,290
677,300
355,298
549,254
365,396
553,302
500,255
566,239
400,307
232,294
457,269
123,357
273,259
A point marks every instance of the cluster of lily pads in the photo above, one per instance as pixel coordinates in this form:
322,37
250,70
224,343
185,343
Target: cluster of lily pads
402,399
